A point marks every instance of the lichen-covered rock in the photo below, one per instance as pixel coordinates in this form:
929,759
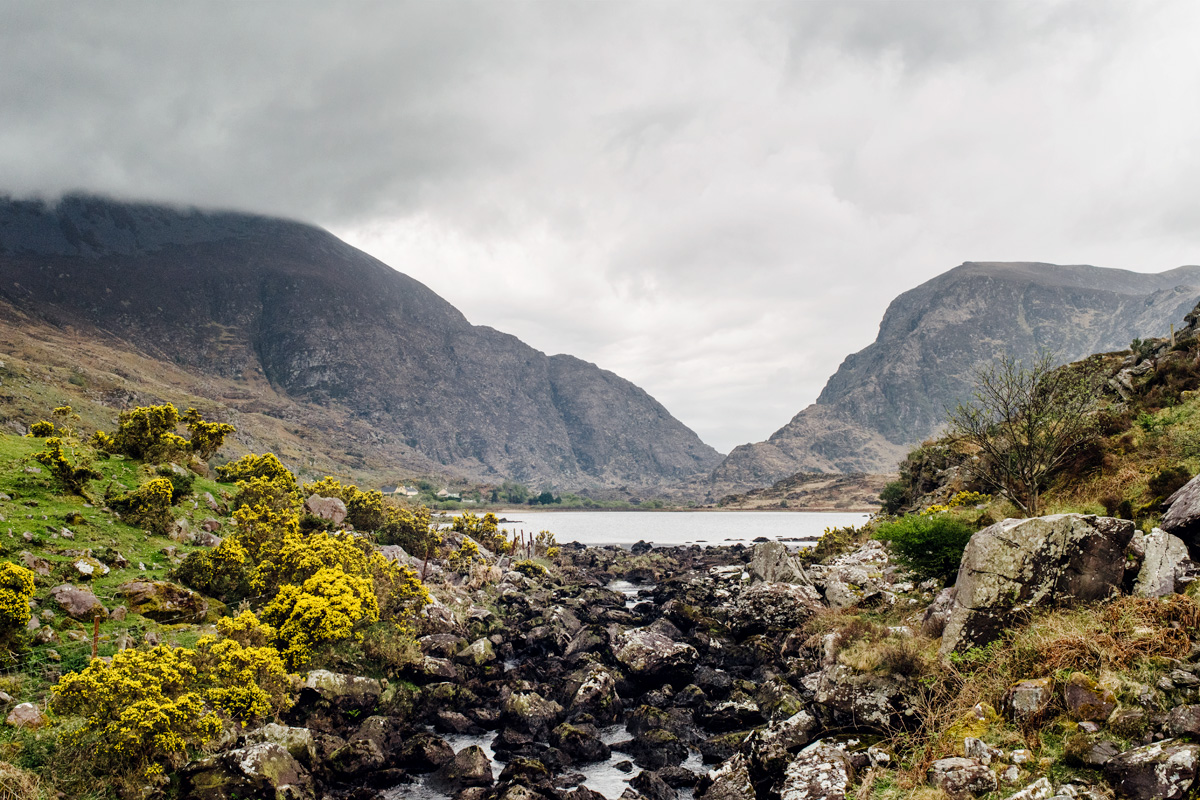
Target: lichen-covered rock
1165,770
478,653
771,749
87,568
26,715
78,602
263,770
1026,699
771,562
343,692
355,759
1086,699
531,713
962,778
1018,564
1041,789
821,771
650,786
651,655
163,601
470,767
581,742
771,607
1166,567
594,691
424,752
1183,721
882,703
730,781
657,748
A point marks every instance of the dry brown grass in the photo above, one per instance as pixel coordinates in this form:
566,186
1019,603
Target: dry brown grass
17,784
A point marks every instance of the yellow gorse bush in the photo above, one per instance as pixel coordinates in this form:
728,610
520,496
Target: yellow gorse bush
71,477
324,610
16,588
250,466
485,530
148,506
295,557
957,501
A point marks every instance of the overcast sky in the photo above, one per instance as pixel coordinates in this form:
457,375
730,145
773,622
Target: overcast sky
714,200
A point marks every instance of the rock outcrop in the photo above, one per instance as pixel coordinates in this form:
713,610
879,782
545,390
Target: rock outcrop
1017,564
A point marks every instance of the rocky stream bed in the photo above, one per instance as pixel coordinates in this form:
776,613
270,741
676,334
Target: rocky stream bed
690,672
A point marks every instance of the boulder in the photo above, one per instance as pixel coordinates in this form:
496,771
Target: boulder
595,693
1183,514
1026,699
531,713
424,752
933,623
39,565
297,741
356,759
821,770
771,607
78,602
477,654
962,778
264,770
343,692
581,742
1166,567
470,767
1165,770
875,702
653,656
163,601
1018,564
26,715
330,509
770,749
730,781
657,748
87,568
771,562
1183,721
1086,699
649,785
1041,789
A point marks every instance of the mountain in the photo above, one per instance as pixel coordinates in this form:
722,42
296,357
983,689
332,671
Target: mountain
322,325
893,394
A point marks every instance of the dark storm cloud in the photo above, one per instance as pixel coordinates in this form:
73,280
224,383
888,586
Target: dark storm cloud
716,200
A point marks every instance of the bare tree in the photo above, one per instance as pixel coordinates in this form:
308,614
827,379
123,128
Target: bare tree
1026,424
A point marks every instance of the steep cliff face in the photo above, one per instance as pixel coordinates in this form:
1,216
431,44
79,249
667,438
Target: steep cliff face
894,393
233,295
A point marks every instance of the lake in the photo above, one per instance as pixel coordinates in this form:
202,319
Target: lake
677,527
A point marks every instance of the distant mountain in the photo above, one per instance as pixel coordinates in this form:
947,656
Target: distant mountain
241,297
893,394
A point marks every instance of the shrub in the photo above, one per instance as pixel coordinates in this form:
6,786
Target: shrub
276,494
145,707
41,429
220,572
16,589
260,528
296,557
1166,482
411,528
833,543
148,506
531,569
205,438
930,546
485,530
462,559
325,610
246,683
545,544
146,433
71,478
894,497
250,466
181,481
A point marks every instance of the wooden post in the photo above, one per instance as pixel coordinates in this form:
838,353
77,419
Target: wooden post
425,566
95,636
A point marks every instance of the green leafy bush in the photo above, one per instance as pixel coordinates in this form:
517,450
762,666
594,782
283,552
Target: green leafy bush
148,506
181,481
206,438
146,433
71,478
929,546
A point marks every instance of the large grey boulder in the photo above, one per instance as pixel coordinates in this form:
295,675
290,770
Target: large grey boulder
652,655
264,770
771,607
730,781
881,703
330,509
78,602
1166,567
1018,564
1183,514
771,562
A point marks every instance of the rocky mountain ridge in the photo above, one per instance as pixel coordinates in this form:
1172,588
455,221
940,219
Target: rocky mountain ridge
893,394
250,299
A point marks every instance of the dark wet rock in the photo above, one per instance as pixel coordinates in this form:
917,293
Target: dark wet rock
356,758
470,767
821,770
690,696
1018,564
441,645
962,778
593,691
388,733
453,722
772,748
678,777
1165,770
737,712
721,747
656,749
581,742
652,787
933,623
532,713
424,752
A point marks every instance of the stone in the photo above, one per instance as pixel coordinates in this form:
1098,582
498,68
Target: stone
821,770
1183,513
40,566
477,654
264,769
1018,564
79,603
595,693
771,562
650,655
297,741
330,509
531,713
26,715
1165,562
981,751
771,607
881,703
1041,789
344,692
164,602
730,781
1165,770
118,614
1086,699
650,786
770,749
87,568
962,778
211,525
1183,721
656,749
424,752
581,742
470,767
1026,699
355,759
933,622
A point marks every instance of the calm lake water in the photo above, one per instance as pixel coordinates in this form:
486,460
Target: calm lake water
677,527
